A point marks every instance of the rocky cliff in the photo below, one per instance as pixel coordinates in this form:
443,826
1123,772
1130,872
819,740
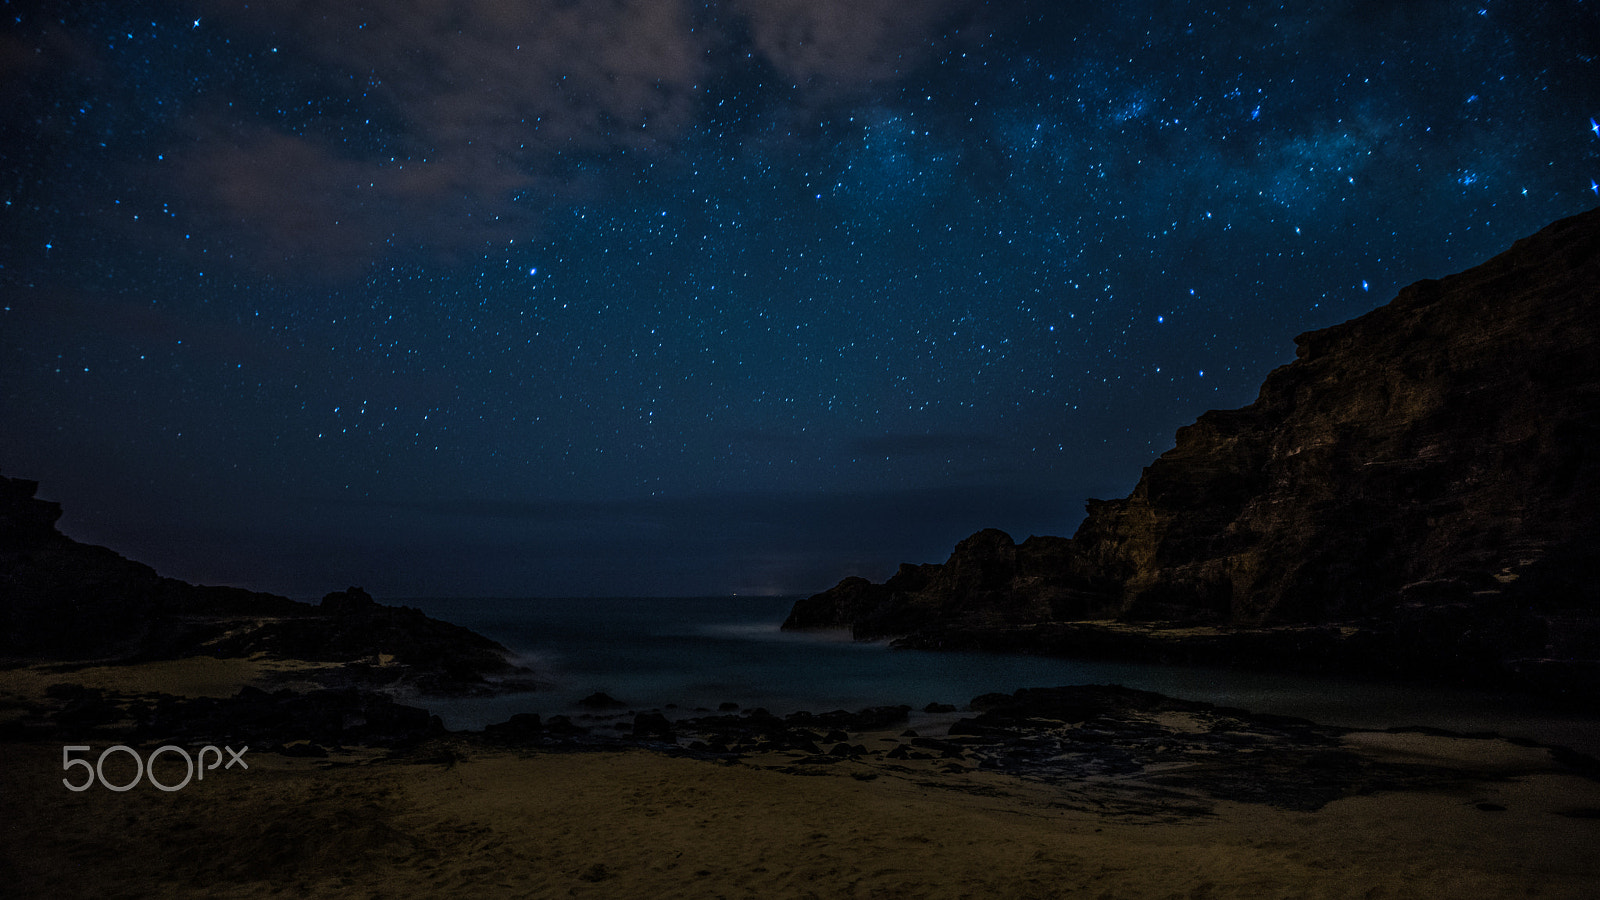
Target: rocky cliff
64,600
1418,491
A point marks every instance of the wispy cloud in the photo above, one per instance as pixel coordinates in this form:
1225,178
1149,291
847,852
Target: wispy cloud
484,100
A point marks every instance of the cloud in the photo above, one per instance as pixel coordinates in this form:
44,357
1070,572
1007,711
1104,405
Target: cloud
485,96
846,42
296,202
500,78
479,101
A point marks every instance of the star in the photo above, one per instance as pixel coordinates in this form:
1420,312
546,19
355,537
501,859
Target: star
713,228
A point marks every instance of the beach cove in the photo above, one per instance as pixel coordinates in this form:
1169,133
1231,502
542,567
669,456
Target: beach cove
1086,792
457,819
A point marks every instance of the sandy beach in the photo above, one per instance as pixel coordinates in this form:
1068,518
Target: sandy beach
461,816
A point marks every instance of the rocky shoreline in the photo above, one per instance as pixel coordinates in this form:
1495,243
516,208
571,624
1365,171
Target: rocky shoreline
1135,750
1149,809
65,602
1161,753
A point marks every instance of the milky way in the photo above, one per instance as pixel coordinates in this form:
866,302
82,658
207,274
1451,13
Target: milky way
649,297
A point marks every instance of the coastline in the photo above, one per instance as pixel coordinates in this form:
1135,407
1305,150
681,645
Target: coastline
502,815
637,824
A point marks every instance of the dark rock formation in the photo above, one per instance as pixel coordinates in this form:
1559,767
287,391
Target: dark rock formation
305,724
988,581
1182,754
1418,491
1108,748
326,719
353,601
653,726
601,700
63,600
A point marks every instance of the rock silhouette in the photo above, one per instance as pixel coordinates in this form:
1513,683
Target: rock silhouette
64,600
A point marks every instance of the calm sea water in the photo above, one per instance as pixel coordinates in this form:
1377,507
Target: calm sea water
696,653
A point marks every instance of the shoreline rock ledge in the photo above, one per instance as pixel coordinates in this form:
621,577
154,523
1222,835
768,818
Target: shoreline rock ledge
1417,495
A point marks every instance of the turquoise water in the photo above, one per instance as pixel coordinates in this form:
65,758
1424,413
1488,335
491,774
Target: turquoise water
691,654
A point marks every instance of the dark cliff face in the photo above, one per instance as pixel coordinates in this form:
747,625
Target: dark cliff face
1439,448
1431,463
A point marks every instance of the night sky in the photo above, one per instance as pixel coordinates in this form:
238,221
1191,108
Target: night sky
557,297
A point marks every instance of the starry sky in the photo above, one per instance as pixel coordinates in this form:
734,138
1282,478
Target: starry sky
657,297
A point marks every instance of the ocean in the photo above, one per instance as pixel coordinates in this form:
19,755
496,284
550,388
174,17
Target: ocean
688,655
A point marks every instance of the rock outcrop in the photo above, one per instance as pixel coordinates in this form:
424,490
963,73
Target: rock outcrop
1418,491
64,600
